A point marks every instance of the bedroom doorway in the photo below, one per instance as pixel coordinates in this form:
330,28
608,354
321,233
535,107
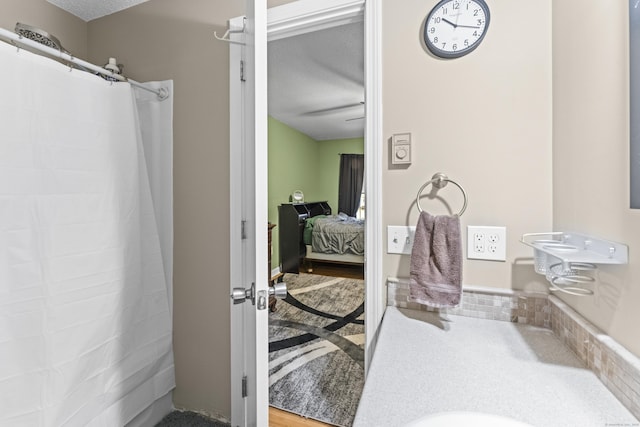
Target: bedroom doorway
316,122
298,18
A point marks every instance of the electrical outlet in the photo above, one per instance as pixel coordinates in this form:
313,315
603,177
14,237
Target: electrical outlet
478,242
488,243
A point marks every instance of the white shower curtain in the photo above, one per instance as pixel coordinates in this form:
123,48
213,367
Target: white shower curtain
85,246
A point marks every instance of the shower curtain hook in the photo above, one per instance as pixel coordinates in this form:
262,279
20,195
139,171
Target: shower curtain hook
225,36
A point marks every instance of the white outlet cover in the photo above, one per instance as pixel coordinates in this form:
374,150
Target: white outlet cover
492,241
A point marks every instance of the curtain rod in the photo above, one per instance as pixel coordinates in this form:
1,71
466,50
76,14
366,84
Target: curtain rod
162,93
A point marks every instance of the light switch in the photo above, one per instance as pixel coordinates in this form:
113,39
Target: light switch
401,149
400,238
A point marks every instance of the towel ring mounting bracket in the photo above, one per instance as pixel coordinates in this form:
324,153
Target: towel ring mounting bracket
439,180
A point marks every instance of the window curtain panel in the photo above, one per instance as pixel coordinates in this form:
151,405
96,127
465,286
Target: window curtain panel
350,183
85,317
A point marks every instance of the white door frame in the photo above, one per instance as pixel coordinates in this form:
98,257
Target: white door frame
374,146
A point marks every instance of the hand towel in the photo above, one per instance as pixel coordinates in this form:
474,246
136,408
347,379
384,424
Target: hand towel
436,261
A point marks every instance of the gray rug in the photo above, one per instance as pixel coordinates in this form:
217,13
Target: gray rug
316,348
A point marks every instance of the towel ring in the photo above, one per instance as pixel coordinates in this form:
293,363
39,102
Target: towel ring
440,180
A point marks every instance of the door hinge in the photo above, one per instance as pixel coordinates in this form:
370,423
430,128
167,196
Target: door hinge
242,71
243,231
244,386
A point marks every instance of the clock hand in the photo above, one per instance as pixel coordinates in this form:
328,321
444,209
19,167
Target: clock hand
449,22
467,26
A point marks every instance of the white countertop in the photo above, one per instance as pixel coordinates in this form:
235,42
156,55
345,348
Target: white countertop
426,365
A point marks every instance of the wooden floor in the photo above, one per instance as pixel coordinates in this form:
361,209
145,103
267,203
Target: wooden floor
336,270
279,418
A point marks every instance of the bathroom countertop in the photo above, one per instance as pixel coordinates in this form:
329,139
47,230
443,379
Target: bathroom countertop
427,364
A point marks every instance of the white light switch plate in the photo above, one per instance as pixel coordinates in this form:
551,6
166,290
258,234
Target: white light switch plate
400,239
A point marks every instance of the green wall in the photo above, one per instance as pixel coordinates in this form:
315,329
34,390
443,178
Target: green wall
298,162
292,166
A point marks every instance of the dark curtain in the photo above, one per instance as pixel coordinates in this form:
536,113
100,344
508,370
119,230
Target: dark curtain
350,183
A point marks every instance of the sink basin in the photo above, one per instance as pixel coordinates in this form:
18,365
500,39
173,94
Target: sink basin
475,419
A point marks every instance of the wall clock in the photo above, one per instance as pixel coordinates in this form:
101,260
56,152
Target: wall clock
454,28
297,197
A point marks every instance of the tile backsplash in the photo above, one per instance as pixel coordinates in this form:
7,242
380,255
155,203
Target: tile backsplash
484,303
617,368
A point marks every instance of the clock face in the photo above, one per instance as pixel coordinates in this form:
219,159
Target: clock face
454,28
297,196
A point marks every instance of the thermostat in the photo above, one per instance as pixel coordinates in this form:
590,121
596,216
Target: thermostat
401,149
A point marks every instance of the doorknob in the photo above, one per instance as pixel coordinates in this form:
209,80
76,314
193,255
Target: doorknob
240,295
278,290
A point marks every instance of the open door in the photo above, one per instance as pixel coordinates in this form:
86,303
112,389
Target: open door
248,175
248,224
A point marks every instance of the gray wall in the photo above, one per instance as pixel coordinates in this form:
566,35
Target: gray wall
168,39
484,120
591,154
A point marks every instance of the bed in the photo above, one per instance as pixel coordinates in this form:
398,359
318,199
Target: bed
334,238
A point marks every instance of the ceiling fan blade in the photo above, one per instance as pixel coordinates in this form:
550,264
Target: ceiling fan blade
334,109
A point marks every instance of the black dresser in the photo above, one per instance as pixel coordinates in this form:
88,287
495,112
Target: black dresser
291,221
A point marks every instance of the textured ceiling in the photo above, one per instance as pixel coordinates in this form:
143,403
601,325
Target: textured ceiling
93,9
316,82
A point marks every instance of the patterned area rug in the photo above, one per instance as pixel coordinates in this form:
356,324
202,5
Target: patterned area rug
316,348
